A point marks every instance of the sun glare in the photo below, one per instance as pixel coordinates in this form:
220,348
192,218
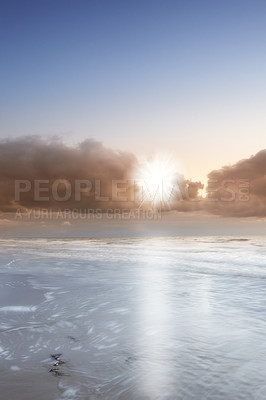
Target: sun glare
158,179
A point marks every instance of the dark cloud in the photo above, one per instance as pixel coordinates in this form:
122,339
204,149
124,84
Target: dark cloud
242,190
33,158
237,190
38,173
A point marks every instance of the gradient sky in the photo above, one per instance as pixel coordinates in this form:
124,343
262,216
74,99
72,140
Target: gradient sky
183,76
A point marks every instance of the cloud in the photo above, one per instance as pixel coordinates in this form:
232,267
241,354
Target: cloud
52,162
243,191
82,177
237,190
38,173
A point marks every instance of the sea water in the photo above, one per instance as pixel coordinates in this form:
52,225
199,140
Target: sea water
133,318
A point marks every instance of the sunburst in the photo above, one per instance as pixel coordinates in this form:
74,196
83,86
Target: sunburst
158,181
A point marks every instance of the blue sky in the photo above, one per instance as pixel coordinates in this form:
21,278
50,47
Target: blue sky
185,76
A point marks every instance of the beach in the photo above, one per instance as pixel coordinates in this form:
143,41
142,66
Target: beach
133,318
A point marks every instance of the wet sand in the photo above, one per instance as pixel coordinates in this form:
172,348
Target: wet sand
132,320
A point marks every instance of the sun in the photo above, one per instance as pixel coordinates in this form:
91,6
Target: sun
157,179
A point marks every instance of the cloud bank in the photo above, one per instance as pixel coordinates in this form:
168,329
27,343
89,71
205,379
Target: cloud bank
35,159
247,179
237,190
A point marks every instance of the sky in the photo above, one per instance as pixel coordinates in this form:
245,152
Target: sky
93,89
186,77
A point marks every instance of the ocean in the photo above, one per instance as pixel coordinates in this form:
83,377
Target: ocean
133,318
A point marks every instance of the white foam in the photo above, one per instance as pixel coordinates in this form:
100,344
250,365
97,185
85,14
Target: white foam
76,348
15,368
49,296
18,308
69,392
102,346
